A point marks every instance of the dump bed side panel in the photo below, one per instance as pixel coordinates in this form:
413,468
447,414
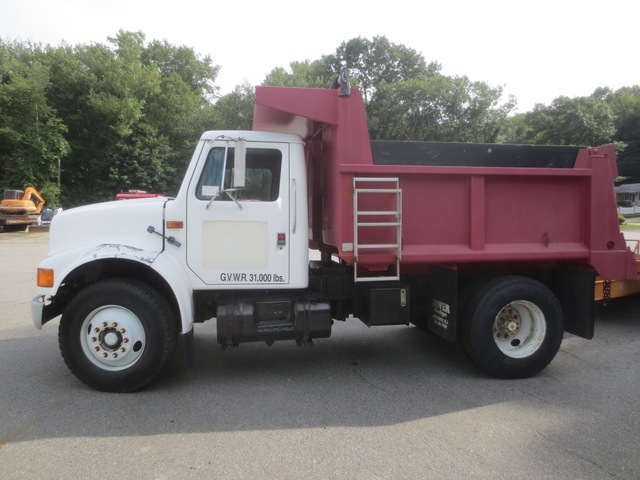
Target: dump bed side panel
461,203
493,214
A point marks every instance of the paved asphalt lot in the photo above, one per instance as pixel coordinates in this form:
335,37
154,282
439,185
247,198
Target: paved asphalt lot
382,403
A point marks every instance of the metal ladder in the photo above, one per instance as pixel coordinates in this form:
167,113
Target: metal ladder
360,222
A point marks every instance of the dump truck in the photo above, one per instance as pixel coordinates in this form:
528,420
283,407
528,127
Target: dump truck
492,247
18,209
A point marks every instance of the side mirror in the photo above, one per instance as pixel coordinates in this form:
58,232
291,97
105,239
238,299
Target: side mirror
240,163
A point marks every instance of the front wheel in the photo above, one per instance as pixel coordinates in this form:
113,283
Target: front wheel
513,327
116,335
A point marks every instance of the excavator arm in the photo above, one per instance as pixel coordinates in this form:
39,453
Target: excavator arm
32,192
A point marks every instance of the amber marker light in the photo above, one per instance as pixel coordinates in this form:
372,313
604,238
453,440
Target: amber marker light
174,224
45,277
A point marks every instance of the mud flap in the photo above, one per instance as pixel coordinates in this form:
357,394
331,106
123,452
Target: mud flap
575,289
443,302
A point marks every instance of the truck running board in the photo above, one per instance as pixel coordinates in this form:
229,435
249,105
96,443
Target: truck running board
377,227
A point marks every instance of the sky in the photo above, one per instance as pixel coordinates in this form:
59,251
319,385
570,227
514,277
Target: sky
537,51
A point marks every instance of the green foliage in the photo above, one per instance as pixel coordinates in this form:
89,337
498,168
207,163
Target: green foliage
31,135
586,121
317,74
378,61
625,104
604,117
437,108
81,123
94,119
51,194
132,112
237,108
406,97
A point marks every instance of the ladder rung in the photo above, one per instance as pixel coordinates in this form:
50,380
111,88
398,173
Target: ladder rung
378,245
378,224
375,179
377,190
371,212
378,279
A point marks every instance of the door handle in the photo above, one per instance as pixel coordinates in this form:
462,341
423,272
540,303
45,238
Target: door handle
295,205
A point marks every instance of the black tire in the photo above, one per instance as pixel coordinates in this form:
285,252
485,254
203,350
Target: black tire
513,327
116,335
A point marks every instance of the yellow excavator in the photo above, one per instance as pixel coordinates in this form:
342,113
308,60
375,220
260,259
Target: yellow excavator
20,208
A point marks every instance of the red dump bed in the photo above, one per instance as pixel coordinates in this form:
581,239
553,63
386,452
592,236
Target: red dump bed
460,203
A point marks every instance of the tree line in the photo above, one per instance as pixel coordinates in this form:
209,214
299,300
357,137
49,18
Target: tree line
81,123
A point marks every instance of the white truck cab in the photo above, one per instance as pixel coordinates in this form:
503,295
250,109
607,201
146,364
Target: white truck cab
243,225
128,276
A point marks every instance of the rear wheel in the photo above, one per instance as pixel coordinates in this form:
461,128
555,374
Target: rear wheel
513,327
116,335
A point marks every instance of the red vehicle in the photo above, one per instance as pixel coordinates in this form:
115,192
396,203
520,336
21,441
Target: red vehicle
131,194
494,246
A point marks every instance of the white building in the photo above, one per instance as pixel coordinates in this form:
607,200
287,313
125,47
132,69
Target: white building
628,195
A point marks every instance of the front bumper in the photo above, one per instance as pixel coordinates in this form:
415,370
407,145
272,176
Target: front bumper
37,308
41,312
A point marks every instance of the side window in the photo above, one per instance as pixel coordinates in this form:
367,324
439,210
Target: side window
262,181
211,177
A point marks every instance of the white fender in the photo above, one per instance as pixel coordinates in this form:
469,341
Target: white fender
69,260
63,264
176,277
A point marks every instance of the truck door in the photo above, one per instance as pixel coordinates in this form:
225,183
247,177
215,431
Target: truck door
239,236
